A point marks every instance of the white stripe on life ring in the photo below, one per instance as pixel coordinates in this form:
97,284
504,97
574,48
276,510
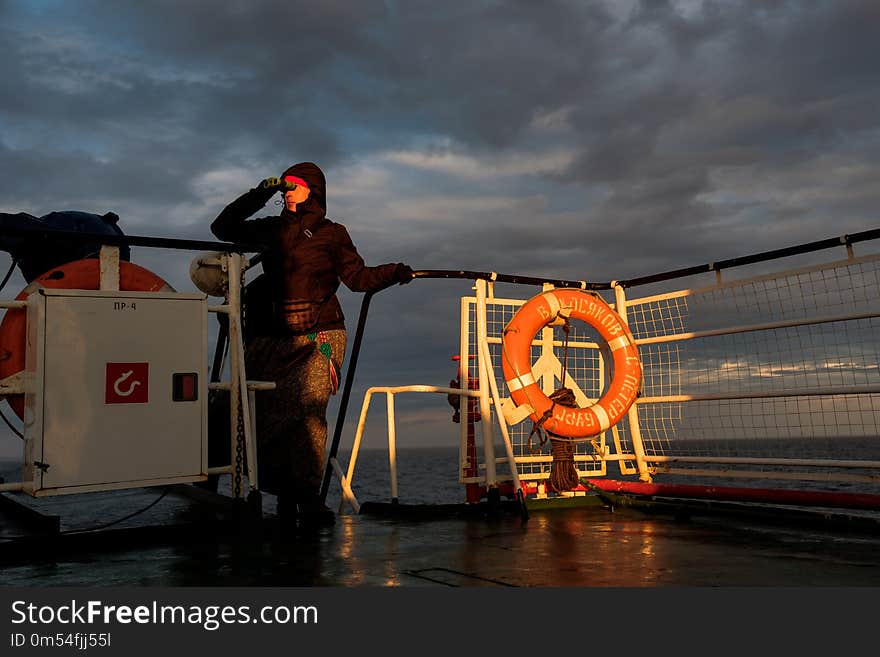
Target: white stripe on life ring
520,381
553,302
621,342
602,416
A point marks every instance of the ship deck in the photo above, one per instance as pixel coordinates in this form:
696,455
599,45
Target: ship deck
188,539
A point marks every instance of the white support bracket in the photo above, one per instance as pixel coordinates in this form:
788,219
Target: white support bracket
347,492
109,268
16,384
514,414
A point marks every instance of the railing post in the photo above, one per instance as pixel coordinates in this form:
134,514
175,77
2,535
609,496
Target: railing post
633,413
238,394
464,402
548,382
392,447
346,393
485,370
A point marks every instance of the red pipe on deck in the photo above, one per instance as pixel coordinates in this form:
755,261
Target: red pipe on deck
474,492
736,494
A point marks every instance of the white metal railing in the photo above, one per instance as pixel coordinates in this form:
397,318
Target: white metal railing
241,391
783,366
346,478
739,375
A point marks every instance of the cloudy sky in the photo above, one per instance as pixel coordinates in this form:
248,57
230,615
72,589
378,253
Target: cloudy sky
576,139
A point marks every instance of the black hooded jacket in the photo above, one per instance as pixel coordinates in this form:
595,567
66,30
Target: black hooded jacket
306,255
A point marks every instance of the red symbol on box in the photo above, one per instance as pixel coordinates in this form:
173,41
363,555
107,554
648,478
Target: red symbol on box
127,383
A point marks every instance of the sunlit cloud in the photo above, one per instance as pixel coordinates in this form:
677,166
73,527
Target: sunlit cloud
471,167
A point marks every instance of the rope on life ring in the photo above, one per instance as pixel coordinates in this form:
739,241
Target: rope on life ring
77,275
516,346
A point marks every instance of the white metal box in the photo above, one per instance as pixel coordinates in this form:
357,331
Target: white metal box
119,395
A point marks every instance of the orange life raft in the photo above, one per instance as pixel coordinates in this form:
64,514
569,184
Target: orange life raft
77,275
538,312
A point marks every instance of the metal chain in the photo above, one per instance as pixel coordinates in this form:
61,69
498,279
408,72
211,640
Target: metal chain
239,452
239,437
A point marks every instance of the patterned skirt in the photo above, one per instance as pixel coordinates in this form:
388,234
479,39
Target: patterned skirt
291,421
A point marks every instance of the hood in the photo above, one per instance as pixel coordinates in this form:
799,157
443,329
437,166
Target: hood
315,206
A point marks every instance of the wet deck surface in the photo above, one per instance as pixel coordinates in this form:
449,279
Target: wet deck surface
586,546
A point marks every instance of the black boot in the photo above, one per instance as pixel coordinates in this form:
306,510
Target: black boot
314,513
286,509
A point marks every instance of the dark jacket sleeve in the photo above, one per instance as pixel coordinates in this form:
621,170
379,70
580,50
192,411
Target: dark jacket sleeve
352,271
230,224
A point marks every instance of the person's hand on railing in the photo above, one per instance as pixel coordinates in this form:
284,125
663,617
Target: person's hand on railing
403,274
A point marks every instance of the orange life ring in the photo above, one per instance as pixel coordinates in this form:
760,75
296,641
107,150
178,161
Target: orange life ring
77,275
538,312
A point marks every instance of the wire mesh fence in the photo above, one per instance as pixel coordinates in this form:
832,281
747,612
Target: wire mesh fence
779,366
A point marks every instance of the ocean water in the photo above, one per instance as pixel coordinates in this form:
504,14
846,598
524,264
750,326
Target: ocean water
424,476
429,475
